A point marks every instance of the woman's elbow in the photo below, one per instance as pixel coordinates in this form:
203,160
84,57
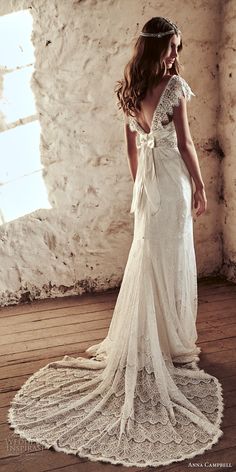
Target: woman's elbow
185,146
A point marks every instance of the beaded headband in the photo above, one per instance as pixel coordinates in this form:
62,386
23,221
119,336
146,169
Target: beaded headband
157,35
174,30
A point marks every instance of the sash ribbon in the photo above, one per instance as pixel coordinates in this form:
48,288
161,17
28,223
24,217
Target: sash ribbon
147,177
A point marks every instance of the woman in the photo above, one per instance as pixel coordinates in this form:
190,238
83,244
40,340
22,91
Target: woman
156,96
141,399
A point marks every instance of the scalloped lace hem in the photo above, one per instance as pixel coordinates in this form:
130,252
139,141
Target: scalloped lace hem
91,440
109,460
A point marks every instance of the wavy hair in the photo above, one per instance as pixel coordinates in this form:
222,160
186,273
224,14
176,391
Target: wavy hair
146,68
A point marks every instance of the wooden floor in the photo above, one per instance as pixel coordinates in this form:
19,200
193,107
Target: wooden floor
35,334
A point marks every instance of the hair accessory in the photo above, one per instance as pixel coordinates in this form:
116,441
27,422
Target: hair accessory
157,35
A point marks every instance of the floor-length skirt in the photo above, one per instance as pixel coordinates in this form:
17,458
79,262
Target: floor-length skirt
141,398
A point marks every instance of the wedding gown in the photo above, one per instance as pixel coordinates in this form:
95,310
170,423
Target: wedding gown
135,402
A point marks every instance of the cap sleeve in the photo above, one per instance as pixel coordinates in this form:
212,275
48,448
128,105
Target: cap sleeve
176,88
182,89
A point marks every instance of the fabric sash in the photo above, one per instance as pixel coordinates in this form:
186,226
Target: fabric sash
147,176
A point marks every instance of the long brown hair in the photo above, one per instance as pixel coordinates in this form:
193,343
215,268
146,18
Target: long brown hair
146,68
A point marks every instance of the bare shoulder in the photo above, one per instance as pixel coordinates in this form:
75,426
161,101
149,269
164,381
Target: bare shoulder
162,84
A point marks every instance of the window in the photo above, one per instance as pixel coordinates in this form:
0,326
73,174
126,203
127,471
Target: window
22,187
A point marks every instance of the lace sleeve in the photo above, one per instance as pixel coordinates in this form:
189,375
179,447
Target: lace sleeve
181,88
177,88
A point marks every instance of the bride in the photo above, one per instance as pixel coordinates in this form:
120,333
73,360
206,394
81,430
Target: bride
141,399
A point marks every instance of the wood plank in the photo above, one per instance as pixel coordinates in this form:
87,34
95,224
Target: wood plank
28,368
229,320
216,289
60,302
213,333
49,460
66,319
55,313
219,370
59,340
217,345
219,314
35,334
48,352
52,332
214,281
60,316
217,306
219,358
41,460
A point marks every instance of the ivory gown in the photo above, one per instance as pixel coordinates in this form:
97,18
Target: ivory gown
129,403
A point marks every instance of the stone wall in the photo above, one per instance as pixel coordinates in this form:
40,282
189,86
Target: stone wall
227,136
81,47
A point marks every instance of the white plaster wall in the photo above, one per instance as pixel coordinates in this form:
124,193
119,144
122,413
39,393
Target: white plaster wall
82,244
227,134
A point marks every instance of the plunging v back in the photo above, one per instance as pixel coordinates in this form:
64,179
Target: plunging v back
130,404
156,107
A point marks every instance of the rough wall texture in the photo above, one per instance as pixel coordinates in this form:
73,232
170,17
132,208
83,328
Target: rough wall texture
227,135
81,47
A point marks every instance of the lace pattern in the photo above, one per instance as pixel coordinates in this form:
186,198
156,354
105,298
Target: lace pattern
53,410
176,88
140,399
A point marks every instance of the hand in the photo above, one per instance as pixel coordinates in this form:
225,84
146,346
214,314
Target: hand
200,201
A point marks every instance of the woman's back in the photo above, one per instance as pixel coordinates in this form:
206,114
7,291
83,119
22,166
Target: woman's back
149,104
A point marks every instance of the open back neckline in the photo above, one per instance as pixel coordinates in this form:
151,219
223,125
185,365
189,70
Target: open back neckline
156,107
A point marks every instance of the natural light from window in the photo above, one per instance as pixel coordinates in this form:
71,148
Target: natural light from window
22,187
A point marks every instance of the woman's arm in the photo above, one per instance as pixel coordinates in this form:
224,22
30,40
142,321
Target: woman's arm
132,153
189,155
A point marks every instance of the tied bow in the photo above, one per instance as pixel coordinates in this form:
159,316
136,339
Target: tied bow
146,140
146,179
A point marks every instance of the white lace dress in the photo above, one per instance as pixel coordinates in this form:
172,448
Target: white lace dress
129,403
